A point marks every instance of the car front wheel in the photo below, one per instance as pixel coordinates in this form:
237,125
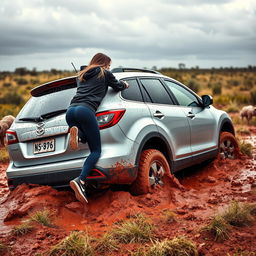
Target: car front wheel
152,168
228,146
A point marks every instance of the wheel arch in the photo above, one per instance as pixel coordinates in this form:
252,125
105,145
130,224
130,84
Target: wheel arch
156,141
227,126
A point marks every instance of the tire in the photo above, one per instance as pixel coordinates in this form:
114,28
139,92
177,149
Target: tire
152,168
228,146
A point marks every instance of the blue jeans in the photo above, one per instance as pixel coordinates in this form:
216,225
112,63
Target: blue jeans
84,119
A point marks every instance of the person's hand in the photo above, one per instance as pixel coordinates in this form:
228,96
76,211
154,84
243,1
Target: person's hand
126,84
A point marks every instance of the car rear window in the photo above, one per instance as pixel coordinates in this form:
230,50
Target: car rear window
39,106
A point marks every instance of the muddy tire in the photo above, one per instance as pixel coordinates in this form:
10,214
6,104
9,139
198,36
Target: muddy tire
152,168
228,146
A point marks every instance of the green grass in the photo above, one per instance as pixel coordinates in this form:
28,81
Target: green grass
76,244
23,228
178,246
137,230
43,217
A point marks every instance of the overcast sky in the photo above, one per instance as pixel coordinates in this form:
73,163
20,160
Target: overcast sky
49,34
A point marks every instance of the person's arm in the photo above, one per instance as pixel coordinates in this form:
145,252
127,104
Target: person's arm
114,83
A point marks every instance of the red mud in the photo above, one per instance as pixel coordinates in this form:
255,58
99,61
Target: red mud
208,188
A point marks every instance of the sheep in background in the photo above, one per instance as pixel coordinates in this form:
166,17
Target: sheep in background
248,112
5,124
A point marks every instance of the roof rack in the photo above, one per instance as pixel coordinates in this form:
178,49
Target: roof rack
117,70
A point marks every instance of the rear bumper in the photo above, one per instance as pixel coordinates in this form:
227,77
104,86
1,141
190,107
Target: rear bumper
61,178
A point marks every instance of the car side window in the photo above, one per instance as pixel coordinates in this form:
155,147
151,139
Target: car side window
183,96
154,90
133,91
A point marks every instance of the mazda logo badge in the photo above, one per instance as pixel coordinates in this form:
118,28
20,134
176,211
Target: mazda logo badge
40,129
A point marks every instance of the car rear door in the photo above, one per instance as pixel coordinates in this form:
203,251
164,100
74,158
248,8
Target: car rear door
169,118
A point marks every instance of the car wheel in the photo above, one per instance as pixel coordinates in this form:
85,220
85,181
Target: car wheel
152,168
228,146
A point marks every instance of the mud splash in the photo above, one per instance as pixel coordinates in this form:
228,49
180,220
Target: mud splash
207,189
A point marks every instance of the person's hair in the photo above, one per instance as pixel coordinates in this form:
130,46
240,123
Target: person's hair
98,60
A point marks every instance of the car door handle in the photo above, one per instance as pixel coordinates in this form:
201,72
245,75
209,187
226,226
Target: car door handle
158,114
191,115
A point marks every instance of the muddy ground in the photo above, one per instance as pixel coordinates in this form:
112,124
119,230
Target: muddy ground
207,189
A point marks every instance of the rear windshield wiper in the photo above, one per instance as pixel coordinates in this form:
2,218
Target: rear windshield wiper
33,119
44,116
52,114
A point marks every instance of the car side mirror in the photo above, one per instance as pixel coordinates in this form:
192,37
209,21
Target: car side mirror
207,100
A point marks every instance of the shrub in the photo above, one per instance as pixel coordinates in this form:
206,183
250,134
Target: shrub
193,85
253,97
4,156
11,98
216,89
6,85
233,82
77,243
21,81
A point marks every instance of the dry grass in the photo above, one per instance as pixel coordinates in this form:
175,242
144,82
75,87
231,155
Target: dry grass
23,228
107,243
178,246
246,148
169,216
239,214
43,217
218,227
3,248
77,243
137,230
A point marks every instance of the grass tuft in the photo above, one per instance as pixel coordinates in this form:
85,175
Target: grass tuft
178,246
106,244
246,148
3,248
238,214
77,243
43,217
169,216
136,230
23,228
218,227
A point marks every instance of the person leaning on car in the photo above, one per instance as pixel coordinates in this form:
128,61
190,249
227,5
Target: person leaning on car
92,86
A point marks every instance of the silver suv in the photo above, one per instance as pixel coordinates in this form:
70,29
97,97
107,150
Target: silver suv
155,127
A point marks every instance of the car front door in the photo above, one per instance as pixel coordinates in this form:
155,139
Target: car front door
201,120
168,117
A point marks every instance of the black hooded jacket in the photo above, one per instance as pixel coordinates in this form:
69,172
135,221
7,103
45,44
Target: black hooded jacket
92,90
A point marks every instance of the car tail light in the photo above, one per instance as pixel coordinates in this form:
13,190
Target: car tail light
107,119
11,137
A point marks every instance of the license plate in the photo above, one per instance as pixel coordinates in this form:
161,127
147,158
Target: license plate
43,146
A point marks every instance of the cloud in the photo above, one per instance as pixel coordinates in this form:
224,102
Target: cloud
129,30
